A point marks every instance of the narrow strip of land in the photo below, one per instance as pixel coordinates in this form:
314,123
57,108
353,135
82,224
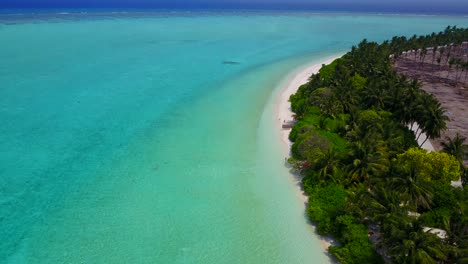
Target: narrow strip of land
284,114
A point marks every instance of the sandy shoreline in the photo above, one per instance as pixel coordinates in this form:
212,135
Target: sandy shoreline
283,107
283,113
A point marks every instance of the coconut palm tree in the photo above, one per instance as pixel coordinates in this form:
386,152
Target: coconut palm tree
327,164
440,57
346,96
330,107
449,54
434,120
434,53
408,103
375,96
381,202
413,190
369,159
417,246
422,56
456,147
458,235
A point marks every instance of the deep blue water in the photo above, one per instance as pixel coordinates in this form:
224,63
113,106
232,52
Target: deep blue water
450,7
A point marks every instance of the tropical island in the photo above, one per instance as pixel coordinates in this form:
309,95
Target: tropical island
361,123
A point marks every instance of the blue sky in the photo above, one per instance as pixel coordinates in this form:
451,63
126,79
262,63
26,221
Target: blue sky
432,6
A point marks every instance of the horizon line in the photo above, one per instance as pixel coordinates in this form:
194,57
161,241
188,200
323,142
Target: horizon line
4,10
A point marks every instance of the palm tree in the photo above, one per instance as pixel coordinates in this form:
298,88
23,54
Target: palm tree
449,53
330,107
458,235
459,68
439,59
423,100
414,191
409,102
375,96
422,55
400,106
380,203
369,159
346,96
456,147
416,246
434,52
327,164
434,120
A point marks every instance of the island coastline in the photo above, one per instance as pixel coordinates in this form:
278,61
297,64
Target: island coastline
283,114
356,128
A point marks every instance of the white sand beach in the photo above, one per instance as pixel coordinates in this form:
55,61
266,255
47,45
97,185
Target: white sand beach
284,114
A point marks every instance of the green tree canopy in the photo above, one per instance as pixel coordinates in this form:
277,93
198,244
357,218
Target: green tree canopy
430,166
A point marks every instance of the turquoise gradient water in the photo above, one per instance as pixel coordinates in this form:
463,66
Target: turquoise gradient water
133,138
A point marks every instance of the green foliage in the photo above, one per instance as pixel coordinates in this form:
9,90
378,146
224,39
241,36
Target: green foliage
399,138
300,104
370,119
438,218
430,166
447,205
308,143
318,96
358,82
337,142
308,138
412,245
325,204
357,247
362,165
327,72
456,147
445,196
309,120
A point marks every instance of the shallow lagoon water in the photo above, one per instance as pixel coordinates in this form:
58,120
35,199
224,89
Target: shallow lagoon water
150,138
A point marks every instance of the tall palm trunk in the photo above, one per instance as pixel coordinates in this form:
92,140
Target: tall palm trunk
427,137
434,52
420,133
466,71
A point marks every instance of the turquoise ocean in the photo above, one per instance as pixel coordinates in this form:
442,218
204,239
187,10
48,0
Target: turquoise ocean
149,137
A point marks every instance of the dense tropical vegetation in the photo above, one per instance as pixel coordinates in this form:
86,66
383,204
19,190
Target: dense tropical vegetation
369,183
